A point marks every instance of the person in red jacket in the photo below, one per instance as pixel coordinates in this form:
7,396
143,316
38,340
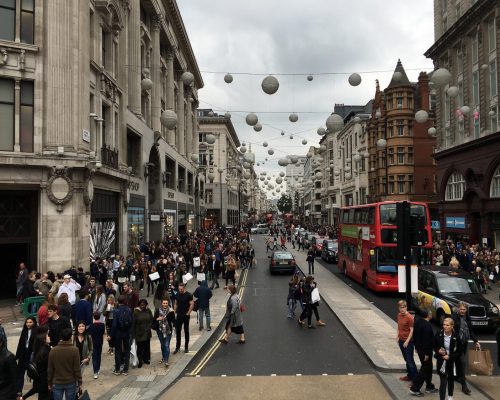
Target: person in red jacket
131,296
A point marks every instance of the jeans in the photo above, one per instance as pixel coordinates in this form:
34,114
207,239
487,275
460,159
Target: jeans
164,344
292,303
122,352
311,267
181,320
205,311
96,359
407,352
58,391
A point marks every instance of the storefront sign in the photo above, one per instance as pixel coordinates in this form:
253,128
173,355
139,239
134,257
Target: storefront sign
455,222
86,136
134,186
435,225
155,217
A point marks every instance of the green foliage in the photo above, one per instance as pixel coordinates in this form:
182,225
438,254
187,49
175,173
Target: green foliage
285,204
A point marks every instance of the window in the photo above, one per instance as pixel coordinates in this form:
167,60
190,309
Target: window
26,117
477,127
388,214
401,183
410,184
475,49
410,128
209,196
391,184
399,100
493,79
491,36
134,152
457,10
455,187
8,19
401,155
7,114
390,129
410,155
475,88
104,48
495,184
27,20
400,128
390,156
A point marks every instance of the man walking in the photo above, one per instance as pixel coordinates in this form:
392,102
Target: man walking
203,294
464,328
405,341
423,337
120,334
182,308
57,324
64,374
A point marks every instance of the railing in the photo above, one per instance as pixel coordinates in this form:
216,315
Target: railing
109,157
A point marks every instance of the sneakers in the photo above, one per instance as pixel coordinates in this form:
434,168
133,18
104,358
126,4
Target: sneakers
416,393
96,375
431,390
320,323
465,389
301,323
166,364
405,378
176,351
209,329
116,372
124,373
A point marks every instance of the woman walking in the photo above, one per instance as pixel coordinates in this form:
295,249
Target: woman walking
307,301
99,304
25,349
83,342
310,260
447,349
143,318
41,350
230,270
108,321
163,323
234,323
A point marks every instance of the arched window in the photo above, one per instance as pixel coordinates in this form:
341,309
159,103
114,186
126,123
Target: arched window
455,187
495,183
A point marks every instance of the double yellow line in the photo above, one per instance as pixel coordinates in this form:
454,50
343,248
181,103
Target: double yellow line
217,344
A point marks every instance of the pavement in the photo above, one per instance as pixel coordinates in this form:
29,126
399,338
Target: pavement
374,332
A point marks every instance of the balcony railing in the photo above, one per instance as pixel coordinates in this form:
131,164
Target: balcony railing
109,157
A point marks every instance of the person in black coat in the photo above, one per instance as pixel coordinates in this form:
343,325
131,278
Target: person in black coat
29,287
8,371
41,350
447,350
203,294
423,338
25,349
498,346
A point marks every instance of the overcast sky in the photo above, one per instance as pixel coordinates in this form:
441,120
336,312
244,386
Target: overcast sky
324,38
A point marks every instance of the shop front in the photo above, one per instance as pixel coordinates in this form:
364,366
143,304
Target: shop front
169,218
136,221
104,227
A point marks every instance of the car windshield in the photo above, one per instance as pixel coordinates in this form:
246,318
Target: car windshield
333,245
450,284
283,256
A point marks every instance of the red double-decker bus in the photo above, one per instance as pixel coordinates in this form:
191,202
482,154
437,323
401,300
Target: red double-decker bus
368,240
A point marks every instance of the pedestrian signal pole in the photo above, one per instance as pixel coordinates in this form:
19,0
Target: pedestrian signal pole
404,244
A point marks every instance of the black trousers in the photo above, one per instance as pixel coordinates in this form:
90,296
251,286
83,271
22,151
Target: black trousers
307,312
143,351
425,373
179,322
460,363
446,381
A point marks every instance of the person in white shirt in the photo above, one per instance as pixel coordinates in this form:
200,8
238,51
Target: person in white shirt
70,286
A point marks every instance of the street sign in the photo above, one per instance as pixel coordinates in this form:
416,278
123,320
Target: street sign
435,225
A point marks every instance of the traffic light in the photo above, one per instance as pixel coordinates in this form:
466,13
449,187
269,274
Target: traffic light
418,233
402,230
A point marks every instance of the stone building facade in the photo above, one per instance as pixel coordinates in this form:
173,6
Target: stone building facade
86,166
467,38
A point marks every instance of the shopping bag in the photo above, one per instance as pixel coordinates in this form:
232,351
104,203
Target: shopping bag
315,298
134,360
200,276
480,362
196,262
154,276
186,278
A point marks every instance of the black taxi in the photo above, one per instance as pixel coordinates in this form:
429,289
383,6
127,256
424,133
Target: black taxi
441,288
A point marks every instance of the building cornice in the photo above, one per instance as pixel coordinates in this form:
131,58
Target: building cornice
459,28
487,140
222,121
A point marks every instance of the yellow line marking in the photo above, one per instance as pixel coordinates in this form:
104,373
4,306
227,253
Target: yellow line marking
217,344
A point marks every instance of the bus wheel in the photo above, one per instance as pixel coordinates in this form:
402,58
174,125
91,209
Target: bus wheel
364,280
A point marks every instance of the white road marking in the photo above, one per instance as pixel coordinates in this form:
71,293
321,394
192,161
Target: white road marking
350,374
273,374
324,374
298,374
248,375
223,376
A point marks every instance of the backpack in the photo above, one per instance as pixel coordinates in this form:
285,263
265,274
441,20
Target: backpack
125,320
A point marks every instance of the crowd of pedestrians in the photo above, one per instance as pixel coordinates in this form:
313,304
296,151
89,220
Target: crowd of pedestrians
83,310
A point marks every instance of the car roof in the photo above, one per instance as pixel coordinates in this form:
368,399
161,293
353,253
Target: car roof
282,252
446,271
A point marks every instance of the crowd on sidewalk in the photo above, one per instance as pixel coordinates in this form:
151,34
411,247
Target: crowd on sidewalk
82,310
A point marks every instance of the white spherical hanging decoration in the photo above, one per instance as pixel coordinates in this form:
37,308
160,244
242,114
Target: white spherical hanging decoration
227,115
187,78
258,164
397,76
210,139
266,160
334,123
257,127
357,120
347,168
421,116
357,158
211,113
262,178
270,152
452,91
491,113
348,176
282,174
270,84
321,131
249,157
431,131
337,173
310,78
465,110
441,77
279,180
366,154
252,119
381,143
484,67
291,137
282,133
146,84
228,78
322,148
304,141
283,162
243,149
168,119
309,155
378,113
293,117
278,190
354,79
210,176
247,165
318,175
265,144
194,158
246,175
293,160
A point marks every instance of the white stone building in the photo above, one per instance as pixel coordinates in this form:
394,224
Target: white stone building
86,166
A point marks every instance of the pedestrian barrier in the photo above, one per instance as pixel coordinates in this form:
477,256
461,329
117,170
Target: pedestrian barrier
31,305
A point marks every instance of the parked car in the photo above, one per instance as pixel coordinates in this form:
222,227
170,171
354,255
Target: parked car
282,261
317,243
260,228
441,288
330,250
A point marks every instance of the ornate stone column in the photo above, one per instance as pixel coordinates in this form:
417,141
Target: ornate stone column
156,74
181,138
170,93
134,58
194,128
189,124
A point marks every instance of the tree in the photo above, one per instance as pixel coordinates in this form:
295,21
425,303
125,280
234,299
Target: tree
284,204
